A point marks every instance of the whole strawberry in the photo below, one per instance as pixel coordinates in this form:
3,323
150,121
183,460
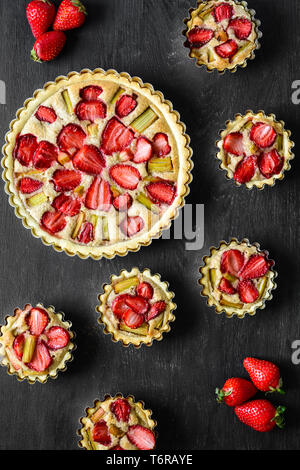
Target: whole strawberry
70,14
235,391
48,46
264,374
40,15
260,415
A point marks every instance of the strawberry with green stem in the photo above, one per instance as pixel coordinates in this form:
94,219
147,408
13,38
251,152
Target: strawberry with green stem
260,415
40,15
264,374
70,14
235,391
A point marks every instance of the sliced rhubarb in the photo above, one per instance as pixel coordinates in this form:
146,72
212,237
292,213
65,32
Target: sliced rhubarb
105,229
93,130
37,199
145,120
29,348
141,330
67,100
235,305
261,286
117,95
97,415
160,165
78,224
213,277
126,284
147,202
63,158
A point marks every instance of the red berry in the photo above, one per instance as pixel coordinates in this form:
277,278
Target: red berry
245,169
48,46
162,192
161,145
101,434
156,309
29,185
46,114
40,15
53,222
122,202
121,409
116,137
223,11
264,374
41,359
263,135
119,305
90,160
144,289
141,437
66,180
139,304
45,155
91,93
24,149
18,345
197,36
260,415
71,138
90,110
242,27
87,233
70,14
130,226
57,337
232,262
270,163
247,292
257,266
99,195
132,319
37,320
126,176
125,105
226,287
227,49
67,205
236,391
143,151
233,143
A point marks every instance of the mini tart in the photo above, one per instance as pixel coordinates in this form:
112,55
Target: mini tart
97,163
237,278
117,423
255,149
36,343
222,35
154,301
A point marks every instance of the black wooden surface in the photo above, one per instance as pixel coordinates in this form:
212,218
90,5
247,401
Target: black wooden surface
176,377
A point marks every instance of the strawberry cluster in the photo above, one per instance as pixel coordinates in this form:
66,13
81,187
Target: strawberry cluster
134,310
41,15
91,160
266,157
45,340
140,436
259,414
223,14
242,273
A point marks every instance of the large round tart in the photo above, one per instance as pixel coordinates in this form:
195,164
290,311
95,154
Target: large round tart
97,163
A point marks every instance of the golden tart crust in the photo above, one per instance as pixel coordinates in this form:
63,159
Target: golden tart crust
203,17
16,325
117,429
243,124
165,120
148,331
211,276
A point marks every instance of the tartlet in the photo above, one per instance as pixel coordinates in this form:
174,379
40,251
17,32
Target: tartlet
117,423
36,343
136,307
97,163
255,149
222,35
237,278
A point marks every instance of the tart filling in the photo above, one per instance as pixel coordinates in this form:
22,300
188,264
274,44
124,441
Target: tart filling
117,423
136,307
96,161
222,34
255,149
237,278
35,343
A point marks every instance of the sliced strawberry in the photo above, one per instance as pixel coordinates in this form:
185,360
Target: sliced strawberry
232,262
161,145
90,160
37,320
67,205
263,135
45,154
66,180
130,226
117,448
46,114
125,105
257,266
25,147
99,195
29,185
57,337
162,191
226,287
141,437
121,409
41,359
122,202
156,309
242,27
139,304
116,137
247,292
144,289
126,176
233,143
18,345
197,36
132,319
87,233
53,222
244,171
91,93
101,434
90,110
119,305
143,151
270,163
227,49
223,11
71,138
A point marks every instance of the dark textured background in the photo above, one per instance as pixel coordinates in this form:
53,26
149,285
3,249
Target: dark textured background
177,377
